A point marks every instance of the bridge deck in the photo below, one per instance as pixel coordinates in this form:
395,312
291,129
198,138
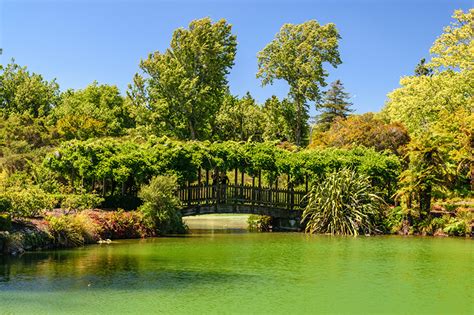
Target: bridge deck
201,199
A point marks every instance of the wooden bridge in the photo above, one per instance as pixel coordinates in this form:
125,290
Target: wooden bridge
222,197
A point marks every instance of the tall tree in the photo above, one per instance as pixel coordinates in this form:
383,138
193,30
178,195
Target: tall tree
186,84
336,105
454,49
239,119
279,120
24,92
297,55
97,110
438,113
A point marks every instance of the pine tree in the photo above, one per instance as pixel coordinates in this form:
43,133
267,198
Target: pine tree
336,104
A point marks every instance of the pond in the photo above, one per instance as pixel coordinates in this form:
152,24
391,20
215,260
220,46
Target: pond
247,273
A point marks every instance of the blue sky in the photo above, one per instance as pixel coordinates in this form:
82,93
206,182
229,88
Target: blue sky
78,42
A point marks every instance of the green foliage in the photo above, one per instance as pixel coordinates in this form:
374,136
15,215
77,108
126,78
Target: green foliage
5,203
335,105
344,203
124,165
97,110
453,49
184,86
80,201
437,111
239,119
260,223
297,55
279,120
5,221
363,130
161,205
460,225
24,92
29,202
72,231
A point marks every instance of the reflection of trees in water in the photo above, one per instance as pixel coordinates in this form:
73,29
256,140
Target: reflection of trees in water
73,263
114,267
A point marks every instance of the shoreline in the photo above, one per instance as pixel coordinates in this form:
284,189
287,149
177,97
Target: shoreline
32,235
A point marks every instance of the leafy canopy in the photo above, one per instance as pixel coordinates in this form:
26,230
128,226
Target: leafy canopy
297,55
185,85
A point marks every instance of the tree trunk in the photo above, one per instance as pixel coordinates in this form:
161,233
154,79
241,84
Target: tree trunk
425,201
299,109
192,131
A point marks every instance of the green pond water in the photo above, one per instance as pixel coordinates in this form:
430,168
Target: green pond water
245,273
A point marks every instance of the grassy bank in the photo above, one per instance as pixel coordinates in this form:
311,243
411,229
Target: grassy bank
58,229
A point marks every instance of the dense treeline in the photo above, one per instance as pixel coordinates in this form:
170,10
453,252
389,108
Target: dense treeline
83,148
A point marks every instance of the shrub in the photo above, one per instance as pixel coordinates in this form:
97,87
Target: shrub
343,203
161,206
29,202
461,224
261,223
81,201
5,204
120,224
72,230
5,222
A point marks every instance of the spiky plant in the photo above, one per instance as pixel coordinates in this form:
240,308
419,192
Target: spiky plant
343,203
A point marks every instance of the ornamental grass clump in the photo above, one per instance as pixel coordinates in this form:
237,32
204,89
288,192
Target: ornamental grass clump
343,203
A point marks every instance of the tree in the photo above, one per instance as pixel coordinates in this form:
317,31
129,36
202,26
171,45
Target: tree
297,55
336,105
24,92
97,110
184,86
422,69
437,111
454,48
366,130
426,173
279,120
239,119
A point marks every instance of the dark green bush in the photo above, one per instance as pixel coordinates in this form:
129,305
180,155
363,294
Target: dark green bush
161,206
5,222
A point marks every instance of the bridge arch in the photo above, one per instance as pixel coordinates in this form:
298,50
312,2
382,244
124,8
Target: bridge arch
215,194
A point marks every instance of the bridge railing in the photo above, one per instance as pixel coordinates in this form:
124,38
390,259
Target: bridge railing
269,197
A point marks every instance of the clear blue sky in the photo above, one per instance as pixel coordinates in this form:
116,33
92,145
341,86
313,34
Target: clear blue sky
78,42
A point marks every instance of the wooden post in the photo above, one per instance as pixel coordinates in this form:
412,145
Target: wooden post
217,187
242,184
189,193
236,176
292,197
288,194
253,192
277,194
259,198
199,188
206,195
